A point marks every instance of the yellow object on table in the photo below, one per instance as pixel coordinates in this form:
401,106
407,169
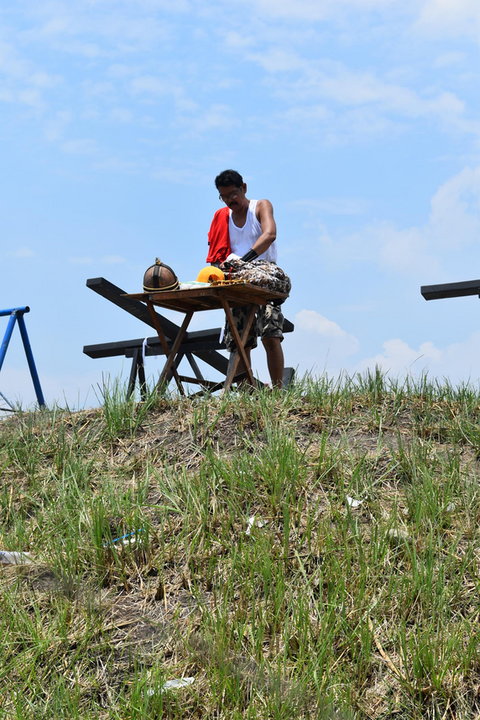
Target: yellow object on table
210,274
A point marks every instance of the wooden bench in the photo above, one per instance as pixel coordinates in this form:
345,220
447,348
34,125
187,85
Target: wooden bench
201,344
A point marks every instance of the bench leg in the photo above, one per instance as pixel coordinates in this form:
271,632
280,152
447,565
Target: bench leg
141,380
288,376
137,369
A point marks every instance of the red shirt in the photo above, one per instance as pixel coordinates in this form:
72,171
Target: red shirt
218,237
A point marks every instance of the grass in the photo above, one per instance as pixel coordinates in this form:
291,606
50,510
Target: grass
311,553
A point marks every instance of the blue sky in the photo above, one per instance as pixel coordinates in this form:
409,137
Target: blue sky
358,119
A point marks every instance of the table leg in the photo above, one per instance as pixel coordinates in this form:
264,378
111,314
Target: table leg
240,343
170,366
170,353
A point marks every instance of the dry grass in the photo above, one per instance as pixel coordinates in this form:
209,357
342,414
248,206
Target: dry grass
311,554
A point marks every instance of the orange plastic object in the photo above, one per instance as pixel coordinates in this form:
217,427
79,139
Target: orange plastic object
210,274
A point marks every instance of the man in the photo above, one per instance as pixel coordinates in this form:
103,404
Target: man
246,229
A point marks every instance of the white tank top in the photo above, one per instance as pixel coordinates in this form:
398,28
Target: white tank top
242,239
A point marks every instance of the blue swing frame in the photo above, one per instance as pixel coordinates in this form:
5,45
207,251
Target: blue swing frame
16,315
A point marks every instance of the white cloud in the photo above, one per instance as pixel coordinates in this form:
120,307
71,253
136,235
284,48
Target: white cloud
455,211
381,244
325,332
315,353
457,361
56,125
21,81
278,60
121,115
74,391
176,175
238,40
314,10
453,224
310,115
22,253
93,30
451,17
149,85
331,206
399,359
404,251
335,82
340,103
450,59
318,345
80,146
446,17
214,117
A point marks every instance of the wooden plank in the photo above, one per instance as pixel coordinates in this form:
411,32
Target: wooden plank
197,341
194,365
214,359
209,298
201,340
207,384
449,290
139,310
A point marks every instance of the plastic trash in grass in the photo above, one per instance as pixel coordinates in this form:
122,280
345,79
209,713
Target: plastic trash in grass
128,540
398,535
8,557
353,504
253,522
172,685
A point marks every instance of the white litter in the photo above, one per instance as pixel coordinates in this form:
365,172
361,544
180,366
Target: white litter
15,558
398,534
352,503
253,522
127,540
173,685
180,683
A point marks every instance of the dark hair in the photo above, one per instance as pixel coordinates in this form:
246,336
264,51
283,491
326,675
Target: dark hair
228,177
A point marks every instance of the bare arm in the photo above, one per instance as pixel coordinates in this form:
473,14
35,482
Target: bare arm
269,228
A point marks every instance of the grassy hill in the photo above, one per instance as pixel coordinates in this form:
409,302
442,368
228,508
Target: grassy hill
311,553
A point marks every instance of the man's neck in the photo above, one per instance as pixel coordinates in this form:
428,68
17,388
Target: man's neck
239,214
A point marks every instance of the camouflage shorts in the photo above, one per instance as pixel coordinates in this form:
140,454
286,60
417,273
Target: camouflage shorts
267,323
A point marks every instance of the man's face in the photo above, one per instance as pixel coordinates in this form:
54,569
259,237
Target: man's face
233,196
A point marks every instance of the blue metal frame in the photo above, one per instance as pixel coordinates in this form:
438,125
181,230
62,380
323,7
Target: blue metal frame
16,315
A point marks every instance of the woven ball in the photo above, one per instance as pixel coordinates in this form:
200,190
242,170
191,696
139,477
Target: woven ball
210,274
159,277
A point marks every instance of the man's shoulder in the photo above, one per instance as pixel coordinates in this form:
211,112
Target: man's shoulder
263,205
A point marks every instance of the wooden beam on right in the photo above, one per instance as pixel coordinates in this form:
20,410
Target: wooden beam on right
449,290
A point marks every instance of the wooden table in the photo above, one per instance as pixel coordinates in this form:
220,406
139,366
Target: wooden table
213,297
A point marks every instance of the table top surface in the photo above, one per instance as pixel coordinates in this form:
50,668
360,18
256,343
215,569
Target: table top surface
209,298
